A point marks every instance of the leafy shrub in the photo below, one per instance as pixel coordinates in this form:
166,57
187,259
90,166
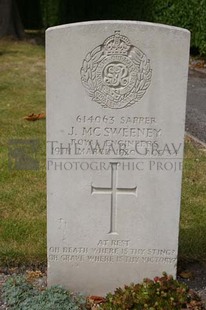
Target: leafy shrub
15,290
189,14
19,294
163,293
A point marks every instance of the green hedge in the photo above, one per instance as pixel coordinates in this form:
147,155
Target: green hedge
189,14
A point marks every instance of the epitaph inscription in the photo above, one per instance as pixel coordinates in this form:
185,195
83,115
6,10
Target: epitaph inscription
110,252
116,74
113,190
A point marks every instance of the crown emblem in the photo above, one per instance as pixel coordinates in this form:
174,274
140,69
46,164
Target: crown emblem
116,44
116,74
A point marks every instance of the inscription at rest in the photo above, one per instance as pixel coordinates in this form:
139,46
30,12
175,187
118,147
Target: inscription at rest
114,243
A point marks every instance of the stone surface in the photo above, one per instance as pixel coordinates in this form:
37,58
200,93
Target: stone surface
116,94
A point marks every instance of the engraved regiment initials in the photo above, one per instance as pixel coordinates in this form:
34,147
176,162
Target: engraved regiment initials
113,191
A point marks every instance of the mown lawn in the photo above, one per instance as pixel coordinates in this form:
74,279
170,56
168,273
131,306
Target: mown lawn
192,243
23,192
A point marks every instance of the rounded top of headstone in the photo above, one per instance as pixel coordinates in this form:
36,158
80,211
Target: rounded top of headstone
117,22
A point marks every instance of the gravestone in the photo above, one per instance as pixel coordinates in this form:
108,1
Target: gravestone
116,94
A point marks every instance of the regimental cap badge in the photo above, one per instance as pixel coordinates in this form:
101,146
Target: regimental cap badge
116,74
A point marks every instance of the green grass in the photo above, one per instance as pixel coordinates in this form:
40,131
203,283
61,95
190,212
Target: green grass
192,242
23,193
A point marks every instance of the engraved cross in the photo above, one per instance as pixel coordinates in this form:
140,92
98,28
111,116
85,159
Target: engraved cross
113,191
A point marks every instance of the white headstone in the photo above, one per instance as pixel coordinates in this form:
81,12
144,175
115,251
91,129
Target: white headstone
116,94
